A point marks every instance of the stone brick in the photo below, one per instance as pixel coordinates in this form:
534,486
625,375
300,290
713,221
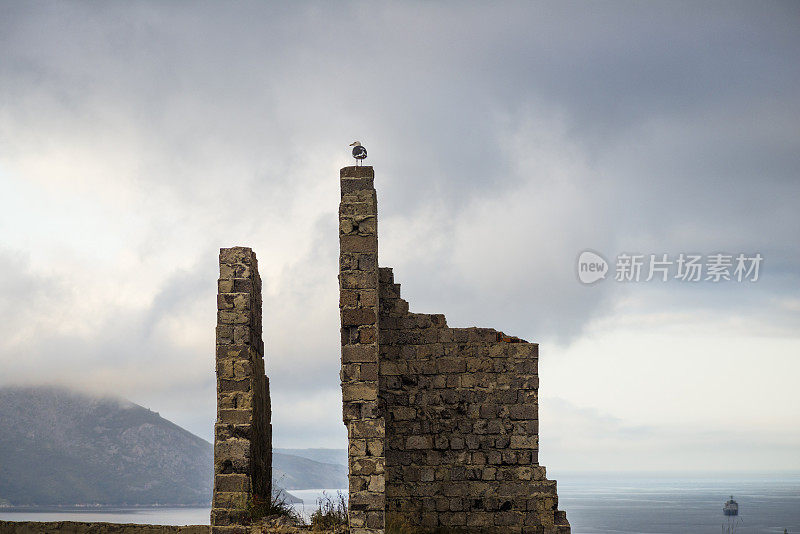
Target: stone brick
368,298
359,391
359,354
367,428
357,280
419,442
367,334
231,385
358,316
233,317
359,243
524,442
369,372
451,365
348,298
235,416
523,411
375,447
231,483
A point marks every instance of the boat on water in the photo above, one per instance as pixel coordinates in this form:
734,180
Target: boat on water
731,507
731,511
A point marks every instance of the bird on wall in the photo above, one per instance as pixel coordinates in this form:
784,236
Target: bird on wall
359,152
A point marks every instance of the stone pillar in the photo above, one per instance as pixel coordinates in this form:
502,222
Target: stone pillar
242,433
358,303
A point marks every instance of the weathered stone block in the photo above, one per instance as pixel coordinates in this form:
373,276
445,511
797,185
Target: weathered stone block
359,354
358,317
348,298
419,442
524,442
367,335
359,391
351,185
359,243
231,483
232,317
367,428
236,417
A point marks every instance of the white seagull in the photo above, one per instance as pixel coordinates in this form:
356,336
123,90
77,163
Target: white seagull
359,152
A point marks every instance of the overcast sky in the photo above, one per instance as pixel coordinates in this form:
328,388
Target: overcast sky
136,139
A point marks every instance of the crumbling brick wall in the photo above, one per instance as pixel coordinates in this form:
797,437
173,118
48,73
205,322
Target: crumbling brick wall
242,432
358,302
462,427
457,408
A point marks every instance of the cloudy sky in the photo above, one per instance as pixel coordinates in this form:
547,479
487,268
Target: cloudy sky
136,139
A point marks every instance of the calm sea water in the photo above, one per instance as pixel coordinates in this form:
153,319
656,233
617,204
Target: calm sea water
650,504
142,516
595,504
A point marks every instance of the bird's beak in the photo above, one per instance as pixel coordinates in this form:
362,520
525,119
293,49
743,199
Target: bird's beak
353,144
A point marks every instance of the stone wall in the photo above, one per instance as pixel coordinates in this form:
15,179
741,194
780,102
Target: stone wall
358,303
454,409
462,426
242,432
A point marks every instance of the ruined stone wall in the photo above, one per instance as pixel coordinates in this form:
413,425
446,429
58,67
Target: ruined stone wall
461,410
358,303
242,432
442,422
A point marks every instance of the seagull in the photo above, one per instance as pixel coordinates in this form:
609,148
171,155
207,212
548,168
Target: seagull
359,152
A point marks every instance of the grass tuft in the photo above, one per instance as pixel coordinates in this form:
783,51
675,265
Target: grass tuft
276,506
331,513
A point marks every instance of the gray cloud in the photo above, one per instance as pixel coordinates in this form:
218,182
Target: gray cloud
130,352
505,141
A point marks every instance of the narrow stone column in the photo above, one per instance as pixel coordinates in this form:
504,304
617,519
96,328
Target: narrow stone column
358,303
243,432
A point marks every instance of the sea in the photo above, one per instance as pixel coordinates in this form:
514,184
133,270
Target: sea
598,503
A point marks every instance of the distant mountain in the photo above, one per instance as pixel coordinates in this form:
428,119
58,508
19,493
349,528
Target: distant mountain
295,472
325,456
62,447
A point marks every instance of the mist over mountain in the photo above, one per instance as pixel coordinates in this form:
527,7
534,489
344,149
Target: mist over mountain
325,456
62,447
